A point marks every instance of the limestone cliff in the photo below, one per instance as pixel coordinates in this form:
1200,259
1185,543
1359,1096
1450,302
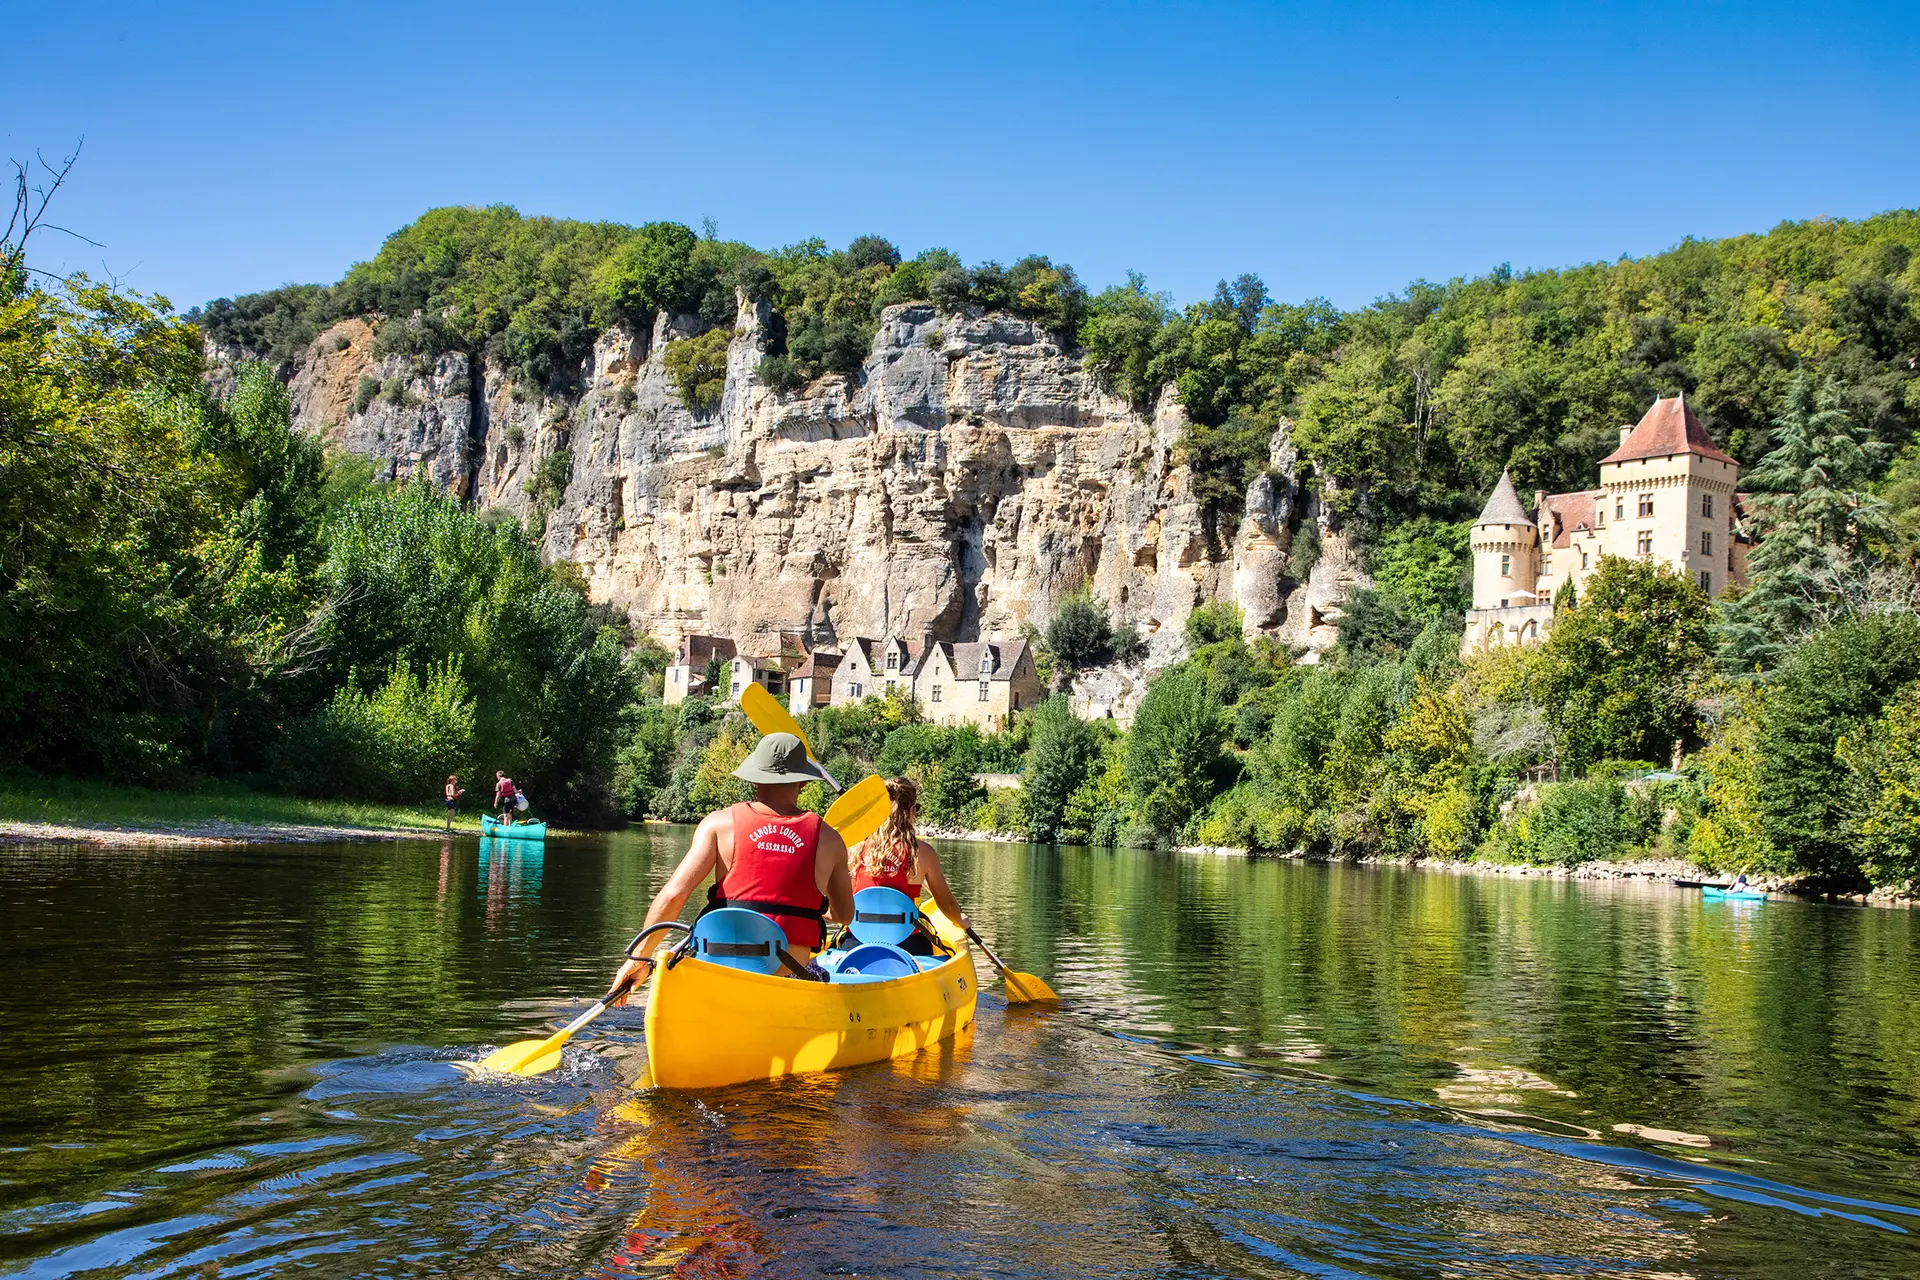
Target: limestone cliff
969,477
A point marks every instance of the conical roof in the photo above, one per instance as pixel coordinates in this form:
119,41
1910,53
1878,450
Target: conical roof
1504,506
1668,428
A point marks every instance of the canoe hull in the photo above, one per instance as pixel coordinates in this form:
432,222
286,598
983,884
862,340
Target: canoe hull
709,1025
492,826
1733,895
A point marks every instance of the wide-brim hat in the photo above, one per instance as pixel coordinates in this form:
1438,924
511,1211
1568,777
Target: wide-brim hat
778,758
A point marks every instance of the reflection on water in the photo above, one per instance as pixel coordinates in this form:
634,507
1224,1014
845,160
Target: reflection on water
233,1062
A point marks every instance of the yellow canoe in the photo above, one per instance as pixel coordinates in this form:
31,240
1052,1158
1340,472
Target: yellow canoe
709,1025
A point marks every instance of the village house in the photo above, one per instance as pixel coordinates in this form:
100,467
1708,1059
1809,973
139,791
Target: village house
687,677
855,677
1667,494
985,682
812,684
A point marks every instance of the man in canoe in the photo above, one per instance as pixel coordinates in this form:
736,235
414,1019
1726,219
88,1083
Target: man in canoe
767,854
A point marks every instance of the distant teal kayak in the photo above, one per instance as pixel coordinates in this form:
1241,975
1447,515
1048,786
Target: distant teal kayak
1727,891
516,831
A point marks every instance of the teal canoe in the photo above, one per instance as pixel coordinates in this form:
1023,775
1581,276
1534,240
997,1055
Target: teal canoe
1728,891
492,826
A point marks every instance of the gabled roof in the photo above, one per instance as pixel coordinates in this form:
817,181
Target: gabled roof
1504,506
1566,513
1003,656
1669,428
818,664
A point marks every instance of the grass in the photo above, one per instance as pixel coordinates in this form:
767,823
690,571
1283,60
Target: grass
28,797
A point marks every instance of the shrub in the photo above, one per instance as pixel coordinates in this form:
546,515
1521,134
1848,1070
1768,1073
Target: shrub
782,373
551,475
369,390
1004,809
1213,622
1079,634
396,744
698,367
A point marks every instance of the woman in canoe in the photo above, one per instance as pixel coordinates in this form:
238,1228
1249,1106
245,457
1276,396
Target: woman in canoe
768,855
895,856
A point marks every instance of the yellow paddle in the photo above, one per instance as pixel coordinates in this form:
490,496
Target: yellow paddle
1022,988
860,810
533,1057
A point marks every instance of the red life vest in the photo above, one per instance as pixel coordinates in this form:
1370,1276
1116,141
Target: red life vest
893,878
773,873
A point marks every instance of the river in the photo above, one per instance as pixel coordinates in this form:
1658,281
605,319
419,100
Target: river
237,1061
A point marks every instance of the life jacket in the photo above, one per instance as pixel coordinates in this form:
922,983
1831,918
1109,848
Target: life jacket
895,878
773,873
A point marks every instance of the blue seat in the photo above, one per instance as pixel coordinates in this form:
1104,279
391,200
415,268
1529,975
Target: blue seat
739,939
883,915
874,962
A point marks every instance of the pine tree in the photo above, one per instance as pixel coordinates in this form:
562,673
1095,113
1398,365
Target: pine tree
1816,521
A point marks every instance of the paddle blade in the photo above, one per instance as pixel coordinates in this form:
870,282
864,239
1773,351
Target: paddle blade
860,809
769,716
1027,988
527,1057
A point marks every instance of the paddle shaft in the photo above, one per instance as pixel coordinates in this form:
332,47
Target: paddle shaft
981,942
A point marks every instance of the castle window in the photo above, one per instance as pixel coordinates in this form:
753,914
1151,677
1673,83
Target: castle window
985,688
1506,566
1583,557
936,693
1706,581
853,691
893,661
1546,565
1016,701
1646,505
1619,508
1600,515
1706,504
1643,544
1706,542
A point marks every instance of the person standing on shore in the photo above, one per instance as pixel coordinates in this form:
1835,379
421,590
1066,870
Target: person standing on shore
505,794
454,792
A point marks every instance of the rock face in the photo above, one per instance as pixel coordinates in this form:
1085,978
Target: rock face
967,479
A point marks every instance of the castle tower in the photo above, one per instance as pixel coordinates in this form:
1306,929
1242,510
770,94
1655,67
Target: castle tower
1506,551
1667,494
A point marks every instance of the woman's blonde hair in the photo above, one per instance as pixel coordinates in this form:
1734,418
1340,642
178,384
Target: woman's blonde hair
896,838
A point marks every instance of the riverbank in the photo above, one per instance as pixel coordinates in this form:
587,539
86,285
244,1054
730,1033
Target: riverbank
1649,870
42,810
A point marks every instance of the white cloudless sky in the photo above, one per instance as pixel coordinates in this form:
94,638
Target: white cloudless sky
1336,150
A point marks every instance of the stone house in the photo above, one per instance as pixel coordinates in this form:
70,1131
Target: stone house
813,684
769,660
983,682
687,676
855,677
1668,493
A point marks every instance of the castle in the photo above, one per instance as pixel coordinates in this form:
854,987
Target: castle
1668,493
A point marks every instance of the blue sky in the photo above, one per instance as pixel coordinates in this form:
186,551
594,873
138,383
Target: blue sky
1337,150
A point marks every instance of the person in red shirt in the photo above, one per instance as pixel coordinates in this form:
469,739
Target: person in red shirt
895,856
504,795
766,854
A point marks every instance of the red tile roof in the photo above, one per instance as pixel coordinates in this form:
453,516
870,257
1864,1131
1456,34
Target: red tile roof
1669,428
1568,512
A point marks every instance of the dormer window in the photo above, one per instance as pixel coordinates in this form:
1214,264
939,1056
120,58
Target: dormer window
1706,504
893,660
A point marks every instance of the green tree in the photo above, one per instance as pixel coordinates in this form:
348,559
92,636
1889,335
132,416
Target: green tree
1174,757
1060,752
1834,685
1814,512
1884,760
1617,674
1080,635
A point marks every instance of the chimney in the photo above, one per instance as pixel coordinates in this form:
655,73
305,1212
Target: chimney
1539,504
1626,429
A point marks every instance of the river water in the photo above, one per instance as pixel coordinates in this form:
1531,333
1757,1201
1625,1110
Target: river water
232,1062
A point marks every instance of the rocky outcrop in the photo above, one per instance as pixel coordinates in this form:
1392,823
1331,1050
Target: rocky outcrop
965,480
